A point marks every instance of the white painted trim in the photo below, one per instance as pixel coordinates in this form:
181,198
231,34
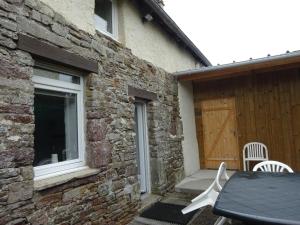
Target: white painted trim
147,152
141,148
57,83
115,33
115,22
62,86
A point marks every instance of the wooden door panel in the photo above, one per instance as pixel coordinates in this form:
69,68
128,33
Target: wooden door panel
219,133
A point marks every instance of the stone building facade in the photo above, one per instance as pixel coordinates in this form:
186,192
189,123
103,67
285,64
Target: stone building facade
109,192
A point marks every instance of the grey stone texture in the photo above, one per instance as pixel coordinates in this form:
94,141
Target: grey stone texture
112,195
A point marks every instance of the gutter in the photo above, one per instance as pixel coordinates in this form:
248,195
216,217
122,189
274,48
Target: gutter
252,64
172,27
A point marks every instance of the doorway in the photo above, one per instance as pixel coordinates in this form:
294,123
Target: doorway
142,149
219,128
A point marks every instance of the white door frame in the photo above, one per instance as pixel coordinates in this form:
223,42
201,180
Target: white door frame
143,146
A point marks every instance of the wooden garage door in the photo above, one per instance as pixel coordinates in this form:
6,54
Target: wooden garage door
220,133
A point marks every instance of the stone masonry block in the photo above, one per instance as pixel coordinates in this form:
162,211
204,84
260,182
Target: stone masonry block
60,30
96,130
20,191
7,42
42,32
8,24
99,154
8,7
10,70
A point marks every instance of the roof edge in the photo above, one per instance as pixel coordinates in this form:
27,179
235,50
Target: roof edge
243,66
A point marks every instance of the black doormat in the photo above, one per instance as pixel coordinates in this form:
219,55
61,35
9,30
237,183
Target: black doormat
168,213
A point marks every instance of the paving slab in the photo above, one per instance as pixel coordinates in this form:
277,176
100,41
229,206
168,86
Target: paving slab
199,181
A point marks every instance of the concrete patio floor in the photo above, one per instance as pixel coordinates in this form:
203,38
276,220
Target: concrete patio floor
187,189
199,181
202,217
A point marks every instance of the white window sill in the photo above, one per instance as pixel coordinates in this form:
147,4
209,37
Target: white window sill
42,184
108,35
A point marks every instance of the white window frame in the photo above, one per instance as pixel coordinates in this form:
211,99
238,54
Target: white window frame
114,33
45,171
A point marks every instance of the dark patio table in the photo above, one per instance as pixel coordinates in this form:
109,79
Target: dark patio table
261,198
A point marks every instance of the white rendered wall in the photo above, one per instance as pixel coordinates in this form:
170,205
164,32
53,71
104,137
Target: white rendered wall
150,42
187,113
146,40
77,12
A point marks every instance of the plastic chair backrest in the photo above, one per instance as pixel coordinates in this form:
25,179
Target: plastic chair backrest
216,185
221,171
272,166
254,151
210,195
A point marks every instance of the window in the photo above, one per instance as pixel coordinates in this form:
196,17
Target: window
58,110
106,17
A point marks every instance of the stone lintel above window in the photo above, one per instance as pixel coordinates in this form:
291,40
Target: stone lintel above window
42,49
140,93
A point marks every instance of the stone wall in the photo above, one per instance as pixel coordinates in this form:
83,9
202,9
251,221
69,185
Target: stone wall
112,195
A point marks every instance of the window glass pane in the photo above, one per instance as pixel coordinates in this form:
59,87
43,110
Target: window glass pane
103,9
56,76
55,137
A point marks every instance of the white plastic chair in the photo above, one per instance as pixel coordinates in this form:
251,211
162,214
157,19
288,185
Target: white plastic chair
254,151
272,166
210,195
